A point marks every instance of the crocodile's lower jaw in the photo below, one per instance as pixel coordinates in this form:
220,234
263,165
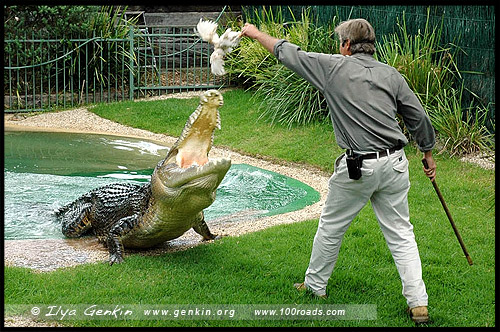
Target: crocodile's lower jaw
210,164
211,173
217,166
177,176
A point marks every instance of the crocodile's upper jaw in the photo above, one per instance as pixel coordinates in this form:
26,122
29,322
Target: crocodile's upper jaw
188,157
197,136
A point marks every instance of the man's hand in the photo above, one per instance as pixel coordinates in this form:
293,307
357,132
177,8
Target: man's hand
267,41
250,30
431,171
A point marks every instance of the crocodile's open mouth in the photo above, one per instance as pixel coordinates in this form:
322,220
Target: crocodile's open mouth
196,139
193,150
188,158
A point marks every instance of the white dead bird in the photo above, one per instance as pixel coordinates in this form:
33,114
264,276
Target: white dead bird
207,30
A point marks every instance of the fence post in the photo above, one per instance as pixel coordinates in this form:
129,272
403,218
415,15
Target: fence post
131,67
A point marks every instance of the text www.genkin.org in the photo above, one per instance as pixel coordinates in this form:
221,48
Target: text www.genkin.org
199,311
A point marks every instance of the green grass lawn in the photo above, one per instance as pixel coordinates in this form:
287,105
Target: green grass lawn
261,267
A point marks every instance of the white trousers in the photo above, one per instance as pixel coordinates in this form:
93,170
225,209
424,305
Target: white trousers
385,182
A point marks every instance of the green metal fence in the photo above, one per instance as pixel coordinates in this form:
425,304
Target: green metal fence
43,72
173,58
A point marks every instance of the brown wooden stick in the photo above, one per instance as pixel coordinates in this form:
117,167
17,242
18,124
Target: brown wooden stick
443,203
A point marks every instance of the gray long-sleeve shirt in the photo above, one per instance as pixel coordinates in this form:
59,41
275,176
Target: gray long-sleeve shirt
363,97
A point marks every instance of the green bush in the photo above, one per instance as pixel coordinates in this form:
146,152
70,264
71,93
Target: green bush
52,44
56,20
41,22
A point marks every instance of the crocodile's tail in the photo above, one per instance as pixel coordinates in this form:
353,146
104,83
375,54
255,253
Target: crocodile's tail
74,216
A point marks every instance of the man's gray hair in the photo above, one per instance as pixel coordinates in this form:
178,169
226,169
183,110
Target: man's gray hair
361,34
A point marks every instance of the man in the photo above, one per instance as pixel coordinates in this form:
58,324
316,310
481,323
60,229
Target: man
363,97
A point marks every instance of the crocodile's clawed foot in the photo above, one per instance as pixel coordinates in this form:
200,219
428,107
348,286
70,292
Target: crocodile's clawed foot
218,237
115,259
213,238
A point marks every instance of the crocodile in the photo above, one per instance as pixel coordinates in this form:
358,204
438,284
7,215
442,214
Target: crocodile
145,215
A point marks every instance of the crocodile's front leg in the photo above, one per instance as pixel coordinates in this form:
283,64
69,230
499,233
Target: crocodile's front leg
201,228
115,246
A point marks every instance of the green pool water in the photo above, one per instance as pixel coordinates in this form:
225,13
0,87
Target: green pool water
44,171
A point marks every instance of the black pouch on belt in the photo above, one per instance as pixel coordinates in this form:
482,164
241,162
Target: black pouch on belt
354,162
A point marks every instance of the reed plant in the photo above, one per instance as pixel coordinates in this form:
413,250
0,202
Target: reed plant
110,23
462,129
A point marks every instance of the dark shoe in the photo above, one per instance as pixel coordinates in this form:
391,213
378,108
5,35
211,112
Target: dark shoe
419,315
302,287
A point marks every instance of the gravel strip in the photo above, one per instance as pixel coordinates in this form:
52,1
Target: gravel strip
20,321
484,160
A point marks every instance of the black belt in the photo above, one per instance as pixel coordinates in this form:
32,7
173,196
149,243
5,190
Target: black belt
381,154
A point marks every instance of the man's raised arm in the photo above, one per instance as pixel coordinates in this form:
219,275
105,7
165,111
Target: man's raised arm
267,41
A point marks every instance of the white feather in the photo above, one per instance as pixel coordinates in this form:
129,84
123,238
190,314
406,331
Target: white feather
217,62
206,30
224,44
229,39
